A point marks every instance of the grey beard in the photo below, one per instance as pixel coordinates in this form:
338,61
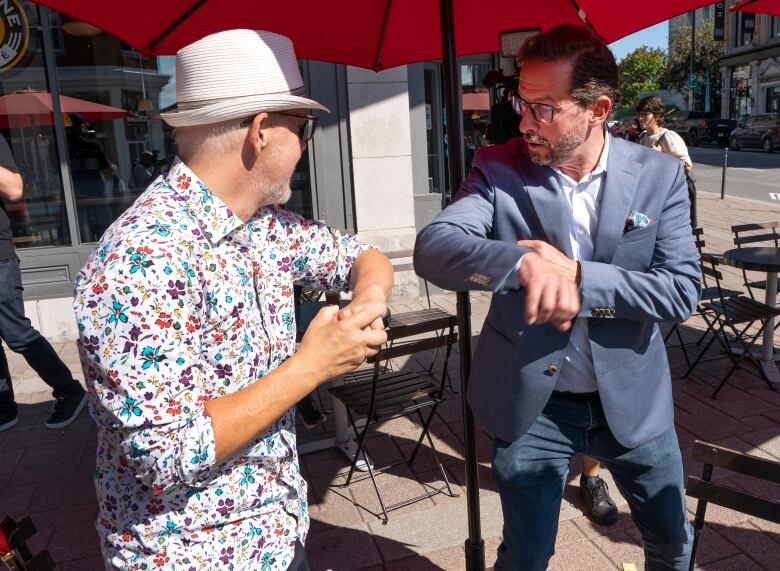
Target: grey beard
560,152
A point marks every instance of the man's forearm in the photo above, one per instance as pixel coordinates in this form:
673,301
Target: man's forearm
372,276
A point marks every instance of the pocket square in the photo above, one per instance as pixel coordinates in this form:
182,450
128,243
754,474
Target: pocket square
636,220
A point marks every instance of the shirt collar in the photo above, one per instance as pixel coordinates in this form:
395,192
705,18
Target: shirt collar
214,217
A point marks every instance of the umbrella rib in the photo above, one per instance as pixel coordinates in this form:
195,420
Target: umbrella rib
583,16
380,47
741,5
169,30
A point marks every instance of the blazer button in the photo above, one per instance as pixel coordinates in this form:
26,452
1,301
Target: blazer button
552,369
594,312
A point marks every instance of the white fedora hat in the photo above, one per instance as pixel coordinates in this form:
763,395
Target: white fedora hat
234,74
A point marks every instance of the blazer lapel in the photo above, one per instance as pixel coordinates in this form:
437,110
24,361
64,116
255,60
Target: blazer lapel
547,198
616,199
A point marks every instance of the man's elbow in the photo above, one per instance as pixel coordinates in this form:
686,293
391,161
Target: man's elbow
13,188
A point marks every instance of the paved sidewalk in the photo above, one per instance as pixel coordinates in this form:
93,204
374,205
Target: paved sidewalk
48,474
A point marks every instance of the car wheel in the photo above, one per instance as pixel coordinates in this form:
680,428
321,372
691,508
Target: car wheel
693,140
734,144
627,136
767,145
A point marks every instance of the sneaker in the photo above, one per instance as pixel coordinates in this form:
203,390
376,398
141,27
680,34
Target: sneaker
8,419
67,409
601,507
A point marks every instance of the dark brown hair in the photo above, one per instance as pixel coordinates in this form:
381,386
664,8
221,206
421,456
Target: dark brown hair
651,104
595,71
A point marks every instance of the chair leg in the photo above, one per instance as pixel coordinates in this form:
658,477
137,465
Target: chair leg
700,356
361,450
698,524
427,433
737,362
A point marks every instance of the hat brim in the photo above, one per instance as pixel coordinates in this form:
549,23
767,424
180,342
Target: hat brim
238,108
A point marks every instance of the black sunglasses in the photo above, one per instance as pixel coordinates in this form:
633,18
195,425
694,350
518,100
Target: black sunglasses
305,131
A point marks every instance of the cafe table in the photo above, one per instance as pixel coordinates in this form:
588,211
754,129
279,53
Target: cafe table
762,259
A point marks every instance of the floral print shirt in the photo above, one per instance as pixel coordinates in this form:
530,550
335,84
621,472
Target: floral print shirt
182,302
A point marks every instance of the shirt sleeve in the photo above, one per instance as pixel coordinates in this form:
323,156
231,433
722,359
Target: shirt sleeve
139,325
6,156
319,256
672,144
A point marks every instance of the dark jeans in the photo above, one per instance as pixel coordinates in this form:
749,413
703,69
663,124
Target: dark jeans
20,336
531,475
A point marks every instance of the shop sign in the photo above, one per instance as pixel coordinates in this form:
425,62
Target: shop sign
14,34
719,25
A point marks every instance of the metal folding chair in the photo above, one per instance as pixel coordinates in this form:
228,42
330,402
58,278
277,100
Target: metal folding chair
377,395
726,495
735,316
758,233
709,293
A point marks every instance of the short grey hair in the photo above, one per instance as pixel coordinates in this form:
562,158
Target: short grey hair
217,138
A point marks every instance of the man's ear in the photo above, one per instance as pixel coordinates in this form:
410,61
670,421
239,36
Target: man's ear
259,132
600,109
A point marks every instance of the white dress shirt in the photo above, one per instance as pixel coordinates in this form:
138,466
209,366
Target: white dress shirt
583,197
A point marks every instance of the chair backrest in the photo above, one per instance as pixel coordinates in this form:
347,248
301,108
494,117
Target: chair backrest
698,239
709,269
756,232
731,497
395,255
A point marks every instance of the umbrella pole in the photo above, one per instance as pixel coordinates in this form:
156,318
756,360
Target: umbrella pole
475,546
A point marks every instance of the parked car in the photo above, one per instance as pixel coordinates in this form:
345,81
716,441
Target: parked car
700,127
760,131
626,128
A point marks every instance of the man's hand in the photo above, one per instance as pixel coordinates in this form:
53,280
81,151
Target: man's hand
567,266
368,298
334,345
550,295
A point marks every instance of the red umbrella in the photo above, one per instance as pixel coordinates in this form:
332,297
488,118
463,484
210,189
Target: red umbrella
26,108
758,6
365,33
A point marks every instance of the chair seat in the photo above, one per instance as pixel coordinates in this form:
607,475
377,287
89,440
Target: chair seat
420,321
396,393
742,309
710,293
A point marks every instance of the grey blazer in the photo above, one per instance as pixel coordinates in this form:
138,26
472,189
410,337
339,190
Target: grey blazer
638,277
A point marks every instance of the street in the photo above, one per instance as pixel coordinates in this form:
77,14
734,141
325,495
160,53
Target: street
751,173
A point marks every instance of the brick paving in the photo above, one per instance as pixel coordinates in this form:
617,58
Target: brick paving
48,474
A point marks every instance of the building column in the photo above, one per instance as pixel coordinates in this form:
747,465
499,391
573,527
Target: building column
382,164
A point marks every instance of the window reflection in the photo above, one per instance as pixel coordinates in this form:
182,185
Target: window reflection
27,123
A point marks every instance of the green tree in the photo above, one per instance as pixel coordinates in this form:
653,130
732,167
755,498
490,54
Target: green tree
640,70
706,54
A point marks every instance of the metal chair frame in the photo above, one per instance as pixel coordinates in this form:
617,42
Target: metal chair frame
708,293
734,315
722,494
745,234
378,395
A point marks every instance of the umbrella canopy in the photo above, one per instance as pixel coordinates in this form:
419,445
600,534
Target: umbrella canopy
771,7
26,108
365,33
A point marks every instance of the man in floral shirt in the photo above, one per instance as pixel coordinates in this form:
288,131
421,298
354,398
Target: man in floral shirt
187,334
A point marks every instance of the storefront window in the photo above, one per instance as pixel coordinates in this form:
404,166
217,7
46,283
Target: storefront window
774,31
476,110
27,123
773,99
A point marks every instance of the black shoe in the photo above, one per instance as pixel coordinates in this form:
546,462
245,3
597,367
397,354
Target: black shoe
67,409
8,419
596,495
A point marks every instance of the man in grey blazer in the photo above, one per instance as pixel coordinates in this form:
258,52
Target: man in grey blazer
586,241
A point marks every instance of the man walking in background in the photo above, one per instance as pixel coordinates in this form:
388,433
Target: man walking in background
16,331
